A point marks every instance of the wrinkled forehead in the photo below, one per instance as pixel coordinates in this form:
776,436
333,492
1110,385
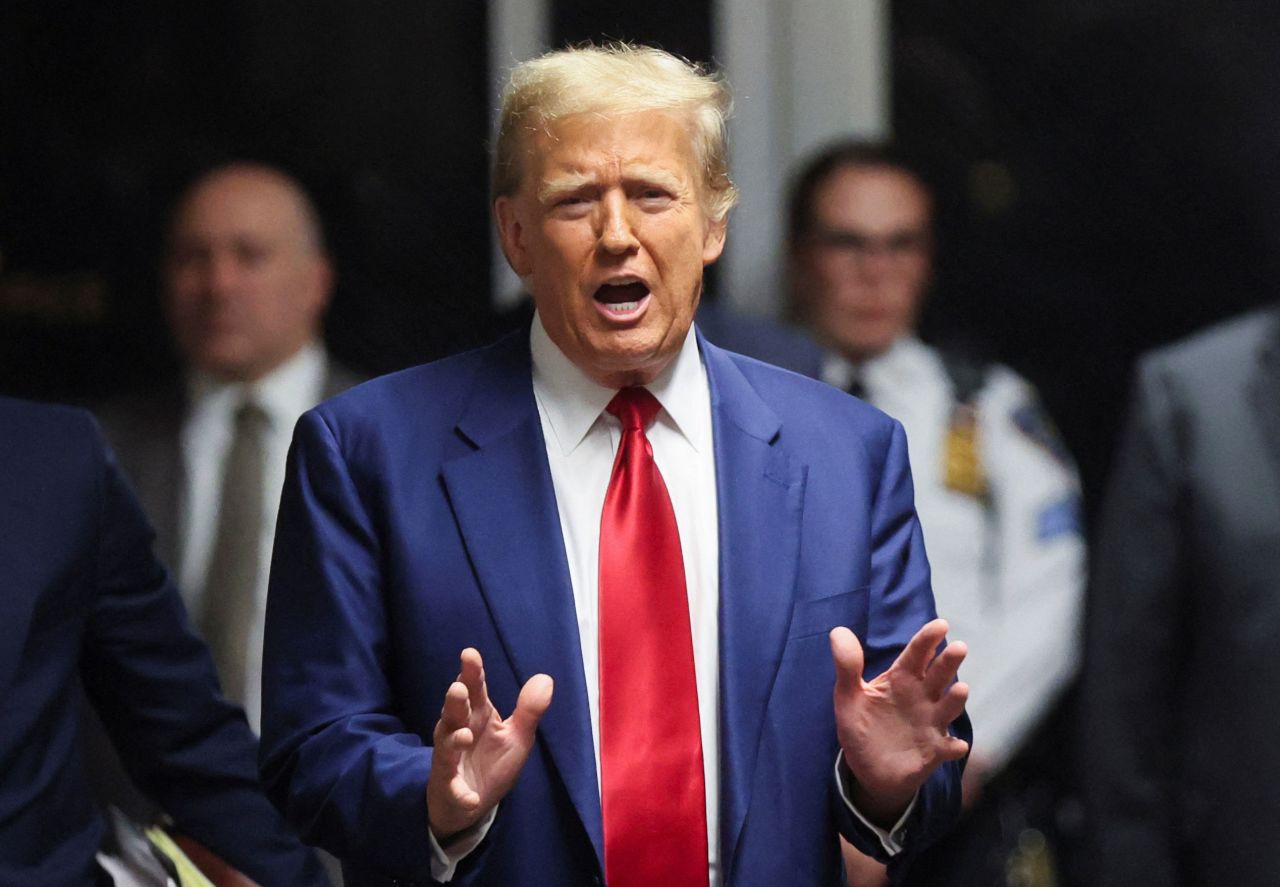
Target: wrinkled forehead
583,145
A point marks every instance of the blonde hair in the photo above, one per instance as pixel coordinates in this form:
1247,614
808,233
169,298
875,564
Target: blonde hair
618,78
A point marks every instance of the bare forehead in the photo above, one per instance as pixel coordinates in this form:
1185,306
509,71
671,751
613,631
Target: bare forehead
873,196
242,200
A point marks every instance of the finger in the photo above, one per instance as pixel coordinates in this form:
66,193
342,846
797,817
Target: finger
456,711
847,653
953,748
915,657
472,676
531,705
942,671
464,794
453,720
952,704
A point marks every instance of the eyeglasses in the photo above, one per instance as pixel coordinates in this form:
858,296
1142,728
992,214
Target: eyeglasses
897,246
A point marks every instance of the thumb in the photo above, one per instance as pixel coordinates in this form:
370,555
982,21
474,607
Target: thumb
532,704
847,653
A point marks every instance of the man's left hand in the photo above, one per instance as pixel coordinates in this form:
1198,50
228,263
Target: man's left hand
893,729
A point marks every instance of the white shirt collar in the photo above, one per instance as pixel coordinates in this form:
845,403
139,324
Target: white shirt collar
298,380
897,367
573,402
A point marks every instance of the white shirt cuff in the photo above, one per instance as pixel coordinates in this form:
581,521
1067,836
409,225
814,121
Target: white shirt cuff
445,862
891,840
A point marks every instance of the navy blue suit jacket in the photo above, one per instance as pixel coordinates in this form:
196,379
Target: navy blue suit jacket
85,602
419,518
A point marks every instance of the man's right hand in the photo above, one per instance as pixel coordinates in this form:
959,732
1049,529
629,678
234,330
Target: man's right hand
477,754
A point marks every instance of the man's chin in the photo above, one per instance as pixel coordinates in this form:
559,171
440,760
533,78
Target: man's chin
632,360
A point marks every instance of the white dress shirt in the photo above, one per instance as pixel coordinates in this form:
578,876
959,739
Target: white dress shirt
284,395
582,440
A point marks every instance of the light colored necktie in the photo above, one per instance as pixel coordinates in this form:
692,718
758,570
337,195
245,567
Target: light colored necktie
231,585
652,784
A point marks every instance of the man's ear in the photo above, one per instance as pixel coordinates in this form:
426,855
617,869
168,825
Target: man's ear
325,278
512,235
713,242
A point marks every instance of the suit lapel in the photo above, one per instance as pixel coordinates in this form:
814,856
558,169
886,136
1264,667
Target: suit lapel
760,489
1264,391
505,505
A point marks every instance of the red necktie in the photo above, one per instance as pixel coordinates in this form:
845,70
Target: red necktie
652,786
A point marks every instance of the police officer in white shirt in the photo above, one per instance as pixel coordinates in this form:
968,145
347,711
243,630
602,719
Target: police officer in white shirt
997,495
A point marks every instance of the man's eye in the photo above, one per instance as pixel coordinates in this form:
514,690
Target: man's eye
653,196
570,202
251,254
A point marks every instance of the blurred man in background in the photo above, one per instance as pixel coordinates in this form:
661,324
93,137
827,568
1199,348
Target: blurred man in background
996,492
246,284
1181,764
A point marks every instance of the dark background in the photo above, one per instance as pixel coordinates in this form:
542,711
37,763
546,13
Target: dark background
1108,171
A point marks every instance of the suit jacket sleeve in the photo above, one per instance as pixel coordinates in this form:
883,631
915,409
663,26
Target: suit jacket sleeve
1134,622
901,603
154,685
342,766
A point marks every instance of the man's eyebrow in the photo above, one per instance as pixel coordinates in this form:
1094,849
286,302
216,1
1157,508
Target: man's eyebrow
655,175
553,189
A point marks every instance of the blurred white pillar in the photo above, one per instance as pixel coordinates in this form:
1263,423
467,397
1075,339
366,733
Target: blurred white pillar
518,30
803,72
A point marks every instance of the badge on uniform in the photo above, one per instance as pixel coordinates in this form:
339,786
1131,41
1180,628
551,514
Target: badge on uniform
962,468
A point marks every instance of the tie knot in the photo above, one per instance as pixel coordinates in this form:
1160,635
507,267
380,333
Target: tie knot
634,407
250,416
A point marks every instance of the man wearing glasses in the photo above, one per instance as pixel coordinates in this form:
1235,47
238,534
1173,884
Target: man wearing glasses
996,491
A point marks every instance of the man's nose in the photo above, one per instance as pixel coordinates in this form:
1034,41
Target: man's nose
617,234
221,274
876,261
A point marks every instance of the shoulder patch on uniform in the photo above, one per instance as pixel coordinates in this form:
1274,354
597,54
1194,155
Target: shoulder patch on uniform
1059,519
1033,421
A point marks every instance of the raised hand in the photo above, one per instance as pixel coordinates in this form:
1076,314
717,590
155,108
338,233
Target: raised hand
893,729
478,755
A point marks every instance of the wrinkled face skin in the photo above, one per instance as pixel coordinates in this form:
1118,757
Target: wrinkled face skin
860,276
608,232
245,283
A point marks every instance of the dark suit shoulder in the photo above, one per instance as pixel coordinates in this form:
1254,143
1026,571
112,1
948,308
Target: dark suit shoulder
760,338
38,438
808,400
137,416
1206,374
1225,348
430,387
416,412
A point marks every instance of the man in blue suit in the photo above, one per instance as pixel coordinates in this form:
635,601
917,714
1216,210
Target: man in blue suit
469,511
86,604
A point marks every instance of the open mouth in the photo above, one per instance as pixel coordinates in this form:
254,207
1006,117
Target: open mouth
621,299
